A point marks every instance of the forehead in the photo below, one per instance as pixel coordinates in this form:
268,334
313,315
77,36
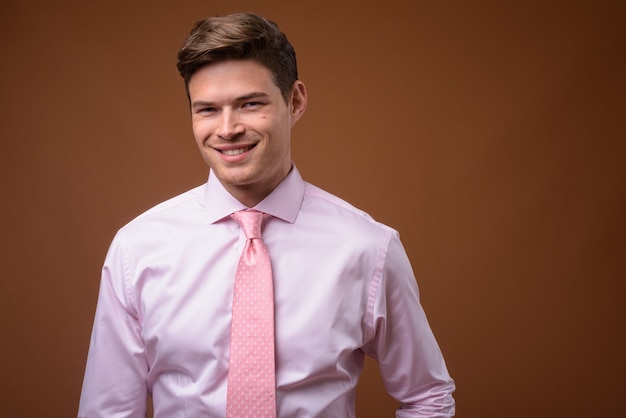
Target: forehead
232,77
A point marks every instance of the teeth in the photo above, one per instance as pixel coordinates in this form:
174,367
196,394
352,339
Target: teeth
232,152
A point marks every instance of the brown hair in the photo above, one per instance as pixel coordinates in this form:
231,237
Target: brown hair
235,37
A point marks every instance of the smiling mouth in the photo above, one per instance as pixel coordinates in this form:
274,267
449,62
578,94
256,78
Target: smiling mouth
233,152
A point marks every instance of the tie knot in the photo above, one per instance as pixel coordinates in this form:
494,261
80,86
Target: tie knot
250,221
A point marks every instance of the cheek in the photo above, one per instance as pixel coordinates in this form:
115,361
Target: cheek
199,131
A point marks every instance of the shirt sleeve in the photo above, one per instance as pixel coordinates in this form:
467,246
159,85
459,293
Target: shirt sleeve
411,364
115,375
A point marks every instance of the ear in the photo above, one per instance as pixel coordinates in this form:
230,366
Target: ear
298,101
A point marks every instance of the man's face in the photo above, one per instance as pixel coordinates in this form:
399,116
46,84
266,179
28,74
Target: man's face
242,126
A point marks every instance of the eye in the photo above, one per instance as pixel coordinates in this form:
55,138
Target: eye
206,110
252,105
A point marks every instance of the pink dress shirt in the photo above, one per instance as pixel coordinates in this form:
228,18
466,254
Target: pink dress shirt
344,288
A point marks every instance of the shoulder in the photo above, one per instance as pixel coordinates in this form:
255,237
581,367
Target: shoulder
184,207
342,214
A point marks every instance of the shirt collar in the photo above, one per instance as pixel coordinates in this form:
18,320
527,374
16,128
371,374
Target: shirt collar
283,202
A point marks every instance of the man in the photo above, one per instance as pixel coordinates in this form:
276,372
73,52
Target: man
342,284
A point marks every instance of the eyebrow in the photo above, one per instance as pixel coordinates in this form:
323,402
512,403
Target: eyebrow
253,95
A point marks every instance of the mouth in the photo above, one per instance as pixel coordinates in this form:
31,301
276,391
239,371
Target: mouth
236,151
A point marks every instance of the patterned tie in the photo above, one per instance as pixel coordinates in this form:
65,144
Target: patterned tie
251,374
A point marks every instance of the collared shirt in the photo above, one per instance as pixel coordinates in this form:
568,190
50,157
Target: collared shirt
344,288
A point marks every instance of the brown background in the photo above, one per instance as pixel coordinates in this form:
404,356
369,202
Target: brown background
490,134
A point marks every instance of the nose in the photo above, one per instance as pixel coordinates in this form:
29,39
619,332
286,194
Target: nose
229,125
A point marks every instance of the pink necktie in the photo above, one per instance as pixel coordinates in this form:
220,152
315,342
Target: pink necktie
251,374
